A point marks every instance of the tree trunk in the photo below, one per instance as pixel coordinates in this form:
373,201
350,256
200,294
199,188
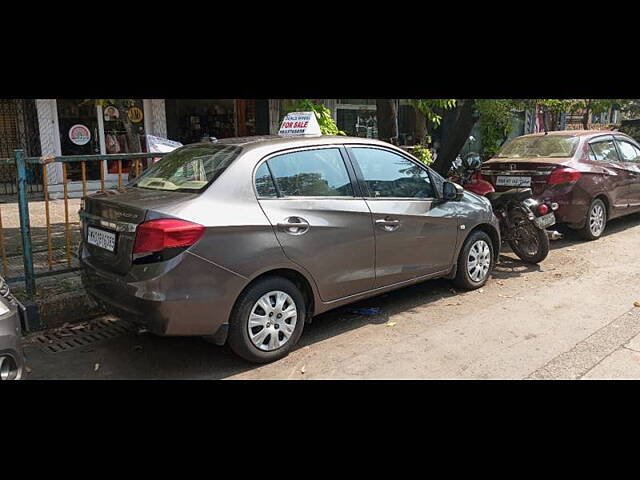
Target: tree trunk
387,117
421,131
585,117
461,124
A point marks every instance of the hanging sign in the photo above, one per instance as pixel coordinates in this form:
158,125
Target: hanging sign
299,123
111,113
79,134
135,114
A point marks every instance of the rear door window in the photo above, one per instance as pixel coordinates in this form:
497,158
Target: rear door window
604,151
311,173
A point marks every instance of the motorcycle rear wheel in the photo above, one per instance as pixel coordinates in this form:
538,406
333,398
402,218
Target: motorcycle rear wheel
530,243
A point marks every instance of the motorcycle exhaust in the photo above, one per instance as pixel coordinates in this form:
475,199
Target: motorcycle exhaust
554,235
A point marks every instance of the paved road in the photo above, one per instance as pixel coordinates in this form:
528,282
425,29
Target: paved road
572,317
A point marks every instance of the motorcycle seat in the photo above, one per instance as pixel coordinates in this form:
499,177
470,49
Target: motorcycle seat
513,194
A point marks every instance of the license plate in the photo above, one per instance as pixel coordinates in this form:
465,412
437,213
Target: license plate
101,238
511,181
545,220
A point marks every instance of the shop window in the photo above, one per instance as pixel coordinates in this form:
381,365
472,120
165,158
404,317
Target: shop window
116,137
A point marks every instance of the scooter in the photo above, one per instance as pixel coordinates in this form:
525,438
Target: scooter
523,220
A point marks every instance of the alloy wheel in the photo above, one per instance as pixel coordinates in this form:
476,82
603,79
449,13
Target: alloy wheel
596,220
272,321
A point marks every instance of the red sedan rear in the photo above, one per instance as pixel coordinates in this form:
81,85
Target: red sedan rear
592,175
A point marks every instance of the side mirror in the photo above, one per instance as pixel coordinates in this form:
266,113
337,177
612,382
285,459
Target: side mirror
451,191
474,163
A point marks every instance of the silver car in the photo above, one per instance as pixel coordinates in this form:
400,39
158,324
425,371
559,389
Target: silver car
243,240
11,356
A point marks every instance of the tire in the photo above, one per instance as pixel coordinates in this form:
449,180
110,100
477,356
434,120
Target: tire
247,341
593,229
542,242
466,278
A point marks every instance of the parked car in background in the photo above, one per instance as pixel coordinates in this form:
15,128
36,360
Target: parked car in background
246,239
593,176
11,358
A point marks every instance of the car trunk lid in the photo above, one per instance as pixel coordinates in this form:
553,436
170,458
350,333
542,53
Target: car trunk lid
505,174
111,218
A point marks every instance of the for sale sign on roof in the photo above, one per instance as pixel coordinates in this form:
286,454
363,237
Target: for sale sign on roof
299,123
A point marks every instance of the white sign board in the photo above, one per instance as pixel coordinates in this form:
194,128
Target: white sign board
299,123
159,144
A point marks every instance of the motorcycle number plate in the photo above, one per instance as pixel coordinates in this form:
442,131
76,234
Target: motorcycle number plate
545,220
513,181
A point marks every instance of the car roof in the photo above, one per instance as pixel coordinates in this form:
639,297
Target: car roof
279,142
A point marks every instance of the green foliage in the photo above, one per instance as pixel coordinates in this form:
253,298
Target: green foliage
323,114
495,124
422,153
430,107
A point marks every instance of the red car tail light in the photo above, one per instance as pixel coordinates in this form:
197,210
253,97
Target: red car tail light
158,235
564,175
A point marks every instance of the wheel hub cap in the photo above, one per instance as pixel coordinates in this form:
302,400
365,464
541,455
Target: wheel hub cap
272,321
479,261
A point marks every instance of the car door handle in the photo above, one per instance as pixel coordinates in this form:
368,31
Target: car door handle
294,226
388,225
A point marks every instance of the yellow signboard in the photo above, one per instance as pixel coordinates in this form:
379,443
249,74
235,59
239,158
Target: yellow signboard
135,114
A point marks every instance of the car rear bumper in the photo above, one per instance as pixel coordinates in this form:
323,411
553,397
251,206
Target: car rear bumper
191,297
573,203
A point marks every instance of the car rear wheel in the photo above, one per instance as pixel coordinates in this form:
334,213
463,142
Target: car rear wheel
596,221
267,320
475,261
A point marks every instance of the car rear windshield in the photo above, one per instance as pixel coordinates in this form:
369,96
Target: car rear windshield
189,169
543,146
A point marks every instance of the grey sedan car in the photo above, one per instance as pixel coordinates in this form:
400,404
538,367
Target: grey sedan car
243,240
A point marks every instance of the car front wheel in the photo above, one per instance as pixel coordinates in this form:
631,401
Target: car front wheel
267,320
475,261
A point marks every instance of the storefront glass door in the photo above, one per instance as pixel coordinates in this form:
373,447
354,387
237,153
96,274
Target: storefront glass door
79,135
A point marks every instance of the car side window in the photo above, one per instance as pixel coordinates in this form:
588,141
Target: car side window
264,182
605,151
629,152
311,173
389,175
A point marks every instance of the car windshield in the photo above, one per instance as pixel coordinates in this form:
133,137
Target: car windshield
542,146
189,169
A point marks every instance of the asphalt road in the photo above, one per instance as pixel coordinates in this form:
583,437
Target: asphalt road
572,317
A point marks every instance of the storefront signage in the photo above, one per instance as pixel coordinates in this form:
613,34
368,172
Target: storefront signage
135,114
111,113
299,123
79,134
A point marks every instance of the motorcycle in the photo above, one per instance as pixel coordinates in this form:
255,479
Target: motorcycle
523,219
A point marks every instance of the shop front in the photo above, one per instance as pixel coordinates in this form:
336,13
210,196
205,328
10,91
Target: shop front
90,127
191,120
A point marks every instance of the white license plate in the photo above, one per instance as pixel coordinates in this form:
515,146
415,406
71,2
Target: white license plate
101,238
545,220
511,181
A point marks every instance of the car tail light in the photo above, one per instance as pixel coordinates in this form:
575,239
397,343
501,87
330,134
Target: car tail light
564,175
543,209
158,235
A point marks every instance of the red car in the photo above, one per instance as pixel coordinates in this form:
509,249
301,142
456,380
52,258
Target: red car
592,175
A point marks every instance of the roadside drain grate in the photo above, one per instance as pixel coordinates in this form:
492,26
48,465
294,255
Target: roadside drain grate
84,335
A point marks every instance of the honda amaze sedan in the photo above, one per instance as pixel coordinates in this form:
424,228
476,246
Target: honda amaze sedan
592,175
243,240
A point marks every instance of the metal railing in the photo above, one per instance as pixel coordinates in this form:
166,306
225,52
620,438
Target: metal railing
21,162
